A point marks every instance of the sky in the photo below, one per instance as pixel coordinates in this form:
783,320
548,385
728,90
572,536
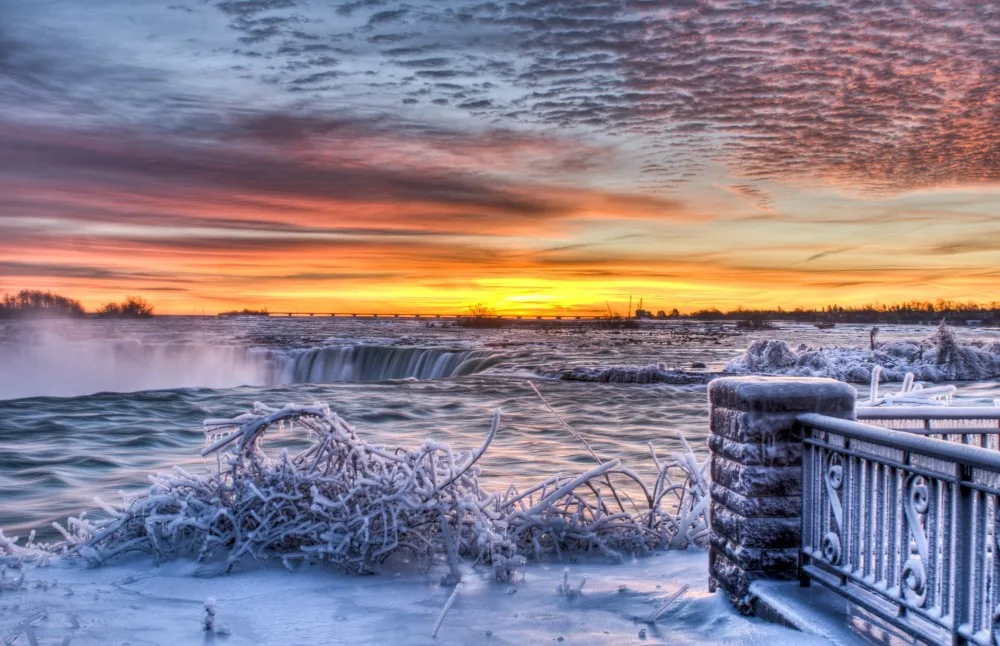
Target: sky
544,156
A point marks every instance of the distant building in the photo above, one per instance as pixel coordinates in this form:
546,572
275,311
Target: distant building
643,314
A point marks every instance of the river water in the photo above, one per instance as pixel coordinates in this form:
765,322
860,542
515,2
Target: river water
89,408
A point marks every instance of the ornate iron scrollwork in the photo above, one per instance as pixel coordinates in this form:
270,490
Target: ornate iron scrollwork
995,626
916,502
834,479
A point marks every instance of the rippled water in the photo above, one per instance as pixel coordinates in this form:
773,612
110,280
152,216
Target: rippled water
89,408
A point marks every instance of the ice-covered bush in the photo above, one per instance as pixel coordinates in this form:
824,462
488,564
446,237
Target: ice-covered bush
940,357
559,514
353,504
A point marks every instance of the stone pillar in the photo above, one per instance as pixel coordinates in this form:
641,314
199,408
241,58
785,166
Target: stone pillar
757,475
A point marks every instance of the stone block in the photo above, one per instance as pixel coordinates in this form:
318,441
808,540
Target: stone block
756,559
757,481
743,426
756,469
757,531
735,580
775,506
764,453
783,395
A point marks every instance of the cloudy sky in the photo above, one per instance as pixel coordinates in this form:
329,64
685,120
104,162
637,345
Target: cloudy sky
537,156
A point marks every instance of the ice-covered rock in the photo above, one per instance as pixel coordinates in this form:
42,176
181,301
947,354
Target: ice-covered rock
940,357
766,355
656,373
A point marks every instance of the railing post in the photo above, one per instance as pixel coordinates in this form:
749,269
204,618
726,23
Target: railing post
756,447
964,531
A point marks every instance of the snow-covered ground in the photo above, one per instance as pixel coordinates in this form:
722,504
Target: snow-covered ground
138,602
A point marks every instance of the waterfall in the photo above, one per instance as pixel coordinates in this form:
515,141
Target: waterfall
377,363
61,368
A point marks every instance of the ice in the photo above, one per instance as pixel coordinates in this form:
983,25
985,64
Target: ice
940,357
140,602
766,355
648,374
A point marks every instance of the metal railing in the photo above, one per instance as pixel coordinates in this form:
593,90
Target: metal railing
978,426
904,526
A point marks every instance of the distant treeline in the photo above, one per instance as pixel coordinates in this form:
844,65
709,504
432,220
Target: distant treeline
910,312
35,303
27,302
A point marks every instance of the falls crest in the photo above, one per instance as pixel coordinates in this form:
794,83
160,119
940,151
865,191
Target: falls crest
366,363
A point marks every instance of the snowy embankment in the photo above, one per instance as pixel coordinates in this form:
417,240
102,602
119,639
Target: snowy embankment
940,357
139,602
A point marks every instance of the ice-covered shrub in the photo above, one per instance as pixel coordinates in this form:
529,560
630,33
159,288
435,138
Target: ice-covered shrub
353,504
14,552
342,501
560,515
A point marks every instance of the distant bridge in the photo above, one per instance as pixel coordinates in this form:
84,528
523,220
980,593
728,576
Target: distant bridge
551,317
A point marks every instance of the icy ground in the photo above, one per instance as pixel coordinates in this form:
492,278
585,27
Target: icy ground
136,602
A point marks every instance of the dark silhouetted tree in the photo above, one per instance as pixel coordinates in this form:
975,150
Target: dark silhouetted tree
29,302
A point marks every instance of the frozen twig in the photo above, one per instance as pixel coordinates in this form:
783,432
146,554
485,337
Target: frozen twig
444,611
208,622
586,444
566,590
653,618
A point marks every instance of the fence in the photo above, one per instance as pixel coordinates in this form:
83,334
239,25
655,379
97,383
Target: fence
899,514
978,426
905,526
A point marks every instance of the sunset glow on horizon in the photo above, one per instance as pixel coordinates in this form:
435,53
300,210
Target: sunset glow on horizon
537,157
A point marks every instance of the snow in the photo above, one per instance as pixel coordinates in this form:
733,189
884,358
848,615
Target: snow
940,357
139,602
